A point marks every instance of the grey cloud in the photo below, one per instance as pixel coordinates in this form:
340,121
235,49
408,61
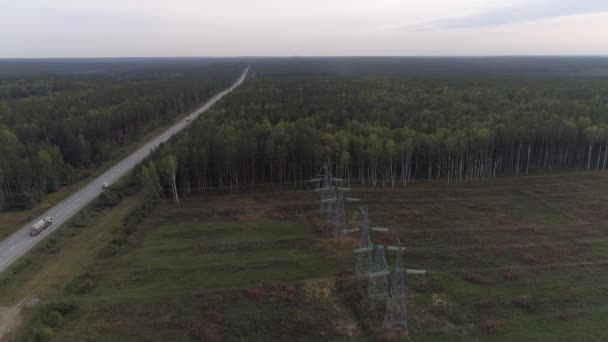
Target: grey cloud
535,10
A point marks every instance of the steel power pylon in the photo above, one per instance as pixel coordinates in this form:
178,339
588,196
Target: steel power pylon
378,277
326,185
395,316
396,311
338,220
332,199
365,251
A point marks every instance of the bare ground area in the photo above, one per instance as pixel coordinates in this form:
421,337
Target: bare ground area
9,320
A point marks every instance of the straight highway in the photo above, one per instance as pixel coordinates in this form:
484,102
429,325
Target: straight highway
16,245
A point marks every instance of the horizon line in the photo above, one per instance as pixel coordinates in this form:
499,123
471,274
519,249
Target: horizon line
317,56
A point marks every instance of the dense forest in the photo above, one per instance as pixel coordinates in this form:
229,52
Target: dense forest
54,126
387,132
380,121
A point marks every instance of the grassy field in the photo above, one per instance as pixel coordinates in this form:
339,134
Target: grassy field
516,260
201,272
509,260
46,269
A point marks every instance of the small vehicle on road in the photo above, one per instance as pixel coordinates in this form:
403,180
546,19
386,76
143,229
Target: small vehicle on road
188,118
104,185
41,225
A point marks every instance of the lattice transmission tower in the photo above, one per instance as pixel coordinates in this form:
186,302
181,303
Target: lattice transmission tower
396,311
395,317
326,186
366,248
365,251
332,199
378,278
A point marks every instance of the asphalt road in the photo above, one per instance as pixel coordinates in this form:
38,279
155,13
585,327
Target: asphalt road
20,242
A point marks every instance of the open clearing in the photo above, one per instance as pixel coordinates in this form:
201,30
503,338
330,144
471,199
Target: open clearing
511,259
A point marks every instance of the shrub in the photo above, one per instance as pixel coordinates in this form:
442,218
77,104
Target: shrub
53,319
43,334
119,239
107,199
108,251
81,285
64,308
86,286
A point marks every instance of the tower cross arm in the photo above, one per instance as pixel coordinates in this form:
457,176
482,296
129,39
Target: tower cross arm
412,271
378,274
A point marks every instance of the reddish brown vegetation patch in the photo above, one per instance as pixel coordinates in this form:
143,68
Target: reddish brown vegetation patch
211,325
410,214
396,335
287,291
477,278
256,294
500,251
512,273
592,211
529,258
525,302
131,241
571,294
554,253
492,325
484,305
523,227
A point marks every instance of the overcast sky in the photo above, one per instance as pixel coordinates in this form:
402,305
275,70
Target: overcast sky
133,28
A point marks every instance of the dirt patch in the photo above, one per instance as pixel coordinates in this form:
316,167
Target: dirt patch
349,329
32,302
9,320
319,289
439,299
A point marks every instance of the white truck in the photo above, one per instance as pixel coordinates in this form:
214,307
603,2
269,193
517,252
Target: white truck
40,225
